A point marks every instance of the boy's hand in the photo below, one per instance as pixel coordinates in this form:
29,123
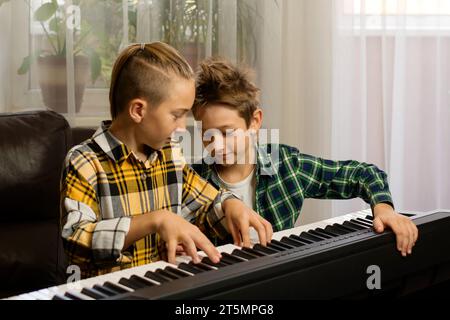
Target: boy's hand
404,229
240,218
178,233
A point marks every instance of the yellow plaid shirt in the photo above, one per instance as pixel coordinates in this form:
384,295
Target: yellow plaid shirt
104,184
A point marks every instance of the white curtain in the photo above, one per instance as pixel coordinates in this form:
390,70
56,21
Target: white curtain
391,90
5,56
198,28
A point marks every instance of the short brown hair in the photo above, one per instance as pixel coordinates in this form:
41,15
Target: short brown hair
218,81
145,71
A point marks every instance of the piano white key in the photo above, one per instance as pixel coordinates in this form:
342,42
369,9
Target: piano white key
356,216
38,295
142,270
116,276
228,248
298,230
363,213
321,224
79,295
100,280
26,296
49,293
188,259
76,288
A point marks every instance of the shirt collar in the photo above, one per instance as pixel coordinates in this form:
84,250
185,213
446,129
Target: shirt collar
265,164
113,147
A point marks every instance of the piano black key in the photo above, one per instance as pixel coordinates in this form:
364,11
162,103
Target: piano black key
130,284
230,259
167,274
266,250
202,265
157,277
319,234
180,273
142,281
363,224
336,230
73,296
369,218
94,294
368,222
60,297
353,225
329,233
114,287
220,264
104,290
254,252
281,244
310,236
291,241
301,239
344,228
233,257
242,254
190,268
275,247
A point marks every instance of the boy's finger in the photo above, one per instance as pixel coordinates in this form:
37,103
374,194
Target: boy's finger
259,227
404,240
204,244
180,250
191,250
411,237
269,229
378,225
235,234
171,251
245,232
399,237
416,233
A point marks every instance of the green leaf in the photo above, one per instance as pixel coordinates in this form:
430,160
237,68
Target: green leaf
25,66
54,24
3,1
46,11
95,62
27,62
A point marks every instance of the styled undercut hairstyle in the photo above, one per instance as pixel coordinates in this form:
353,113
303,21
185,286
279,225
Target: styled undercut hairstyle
145,71
218,81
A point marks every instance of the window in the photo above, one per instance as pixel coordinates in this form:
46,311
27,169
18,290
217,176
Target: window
64,50
411,16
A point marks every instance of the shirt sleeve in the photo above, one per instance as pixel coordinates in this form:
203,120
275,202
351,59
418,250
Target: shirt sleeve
87,237
327,179
203,203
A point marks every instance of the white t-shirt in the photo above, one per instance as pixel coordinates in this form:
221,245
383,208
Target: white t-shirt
245,189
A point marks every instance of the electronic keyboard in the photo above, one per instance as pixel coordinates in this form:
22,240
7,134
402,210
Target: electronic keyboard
333,258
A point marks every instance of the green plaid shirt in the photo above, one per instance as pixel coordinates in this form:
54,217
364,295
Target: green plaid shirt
284,181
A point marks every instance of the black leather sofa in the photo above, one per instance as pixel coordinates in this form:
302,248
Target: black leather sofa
33,146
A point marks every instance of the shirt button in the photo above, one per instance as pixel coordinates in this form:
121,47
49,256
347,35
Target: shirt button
143,176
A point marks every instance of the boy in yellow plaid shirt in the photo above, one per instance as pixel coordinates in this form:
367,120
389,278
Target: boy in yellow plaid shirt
127,193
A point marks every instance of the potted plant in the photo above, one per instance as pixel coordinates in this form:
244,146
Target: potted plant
51,60
185,26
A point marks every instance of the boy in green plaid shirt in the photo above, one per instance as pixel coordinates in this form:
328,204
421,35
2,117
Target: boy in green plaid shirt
275,179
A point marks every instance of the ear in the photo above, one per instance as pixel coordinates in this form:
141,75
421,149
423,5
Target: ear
137,109
256,121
